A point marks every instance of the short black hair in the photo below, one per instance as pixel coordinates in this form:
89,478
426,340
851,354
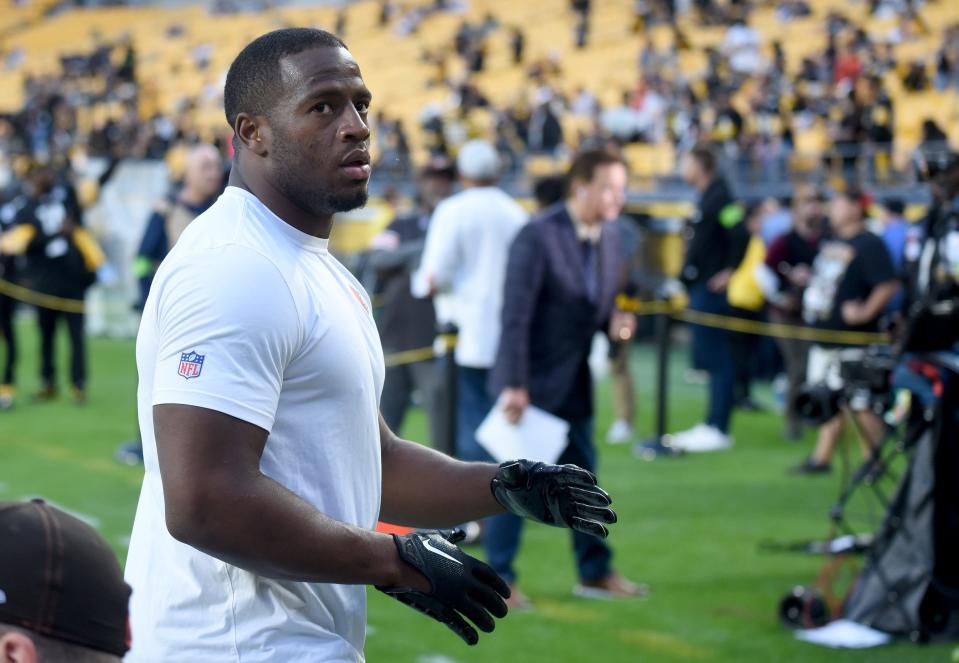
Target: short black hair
854,194
895,205
254,77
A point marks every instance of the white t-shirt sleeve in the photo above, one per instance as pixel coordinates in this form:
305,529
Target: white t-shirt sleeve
440,253
227,327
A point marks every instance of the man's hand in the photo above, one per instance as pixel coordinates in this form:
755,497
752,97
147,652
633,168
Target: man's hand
799,275
514,402
719,280
460,584
622,326
854,313
558,495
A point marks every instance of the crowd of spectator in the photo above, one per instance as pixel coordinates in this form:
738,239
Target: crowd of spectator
746,98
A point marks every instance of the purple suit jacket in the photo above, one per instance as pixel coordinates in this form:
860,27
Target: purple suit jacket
548,319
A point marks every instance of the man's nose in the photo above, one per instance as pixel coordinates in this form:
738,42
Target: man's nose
354,128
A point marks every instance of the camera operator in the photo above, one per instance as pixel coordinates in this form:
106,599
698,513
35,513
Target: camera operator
852,282
933,263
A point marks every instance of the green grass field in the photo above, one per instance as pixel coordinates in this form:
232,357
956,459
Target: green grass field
689,527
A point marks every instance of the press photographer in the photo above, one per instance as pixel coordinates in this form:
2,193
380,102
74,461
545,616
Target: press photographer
851,284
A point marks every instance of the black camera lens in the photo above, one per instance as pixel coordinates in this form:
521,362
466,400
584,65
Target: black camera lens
817,404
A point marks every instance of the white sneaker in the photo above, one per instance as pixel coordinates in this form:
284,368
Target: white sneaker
620,432
698,429
702,438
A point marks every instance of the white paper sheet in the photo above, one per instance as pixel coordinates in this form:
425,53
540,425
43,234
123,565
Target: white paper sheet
538,436
844,634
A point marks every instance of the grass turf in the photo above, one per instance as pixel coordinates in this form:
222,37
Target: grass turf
689,527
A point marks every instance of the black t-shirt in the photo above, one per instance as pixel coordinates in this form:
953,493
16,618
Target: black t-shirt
843,271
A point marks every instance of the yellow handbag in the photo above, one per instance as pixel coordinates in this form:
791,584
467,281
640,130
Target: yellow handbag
743,290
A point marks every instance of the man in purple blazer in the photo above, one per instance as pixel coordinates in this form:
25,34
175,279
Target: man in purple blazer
563,275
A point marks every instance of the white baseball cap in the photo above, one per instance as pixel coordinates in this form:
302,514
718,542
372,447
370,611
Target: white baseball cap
478,160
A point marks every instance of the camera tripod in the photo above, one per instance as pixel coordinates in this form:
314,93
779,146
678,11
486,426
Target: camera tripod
817,604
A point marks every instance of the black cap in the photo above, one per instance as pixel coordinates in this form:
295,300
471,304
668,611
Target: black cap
60,579
895,205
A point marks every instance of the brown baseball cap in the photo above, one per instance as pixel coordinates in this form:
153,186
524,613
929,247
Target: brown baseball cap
60,579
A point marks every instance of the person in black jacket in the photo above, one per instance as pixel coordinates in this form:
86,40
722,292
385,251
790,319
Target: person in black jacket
59,264
712,252
407,323
12,244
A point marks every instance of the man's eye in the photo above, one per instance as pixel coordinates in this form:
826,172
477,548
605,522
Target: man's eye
362,107
323,109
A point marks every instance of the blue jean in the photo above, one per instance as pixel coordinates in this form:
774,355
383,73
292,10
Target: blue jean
712,352
593,556
473,403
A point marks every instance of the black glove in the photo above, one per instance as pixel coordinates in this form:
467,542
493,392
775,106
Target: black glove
460,583
558,495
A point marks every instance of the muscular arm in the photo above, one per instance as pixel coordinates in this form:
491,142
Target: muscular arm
424,488
218,501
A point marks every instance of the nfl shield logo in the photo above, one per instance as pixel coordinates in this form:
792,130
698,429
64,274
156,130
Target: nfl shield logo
191,364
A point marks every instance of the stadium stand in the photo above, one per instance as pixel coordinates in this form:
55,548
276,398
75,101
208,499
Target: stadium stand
179,55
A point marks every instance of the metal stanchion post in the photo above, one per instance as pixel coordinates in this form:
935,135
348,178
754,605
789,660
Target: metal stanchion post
659,445
445,351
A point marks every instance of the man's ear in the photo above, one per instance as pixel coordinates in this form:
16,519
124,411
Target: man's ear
253,132
17,648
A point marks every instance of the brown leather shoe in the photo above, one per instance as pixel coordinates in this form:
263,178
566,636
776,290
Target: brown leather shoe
517,601
613,586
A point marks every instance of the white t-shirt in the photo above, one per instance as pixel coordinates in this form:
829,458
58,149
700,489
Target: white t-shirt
251,317
465,256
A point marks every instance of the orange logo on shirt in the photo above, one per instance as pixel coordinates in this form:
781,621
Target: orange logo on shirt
359,298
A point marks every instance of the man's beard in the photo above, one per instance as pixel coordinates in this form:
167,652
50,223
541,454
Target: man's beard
322,203
319,201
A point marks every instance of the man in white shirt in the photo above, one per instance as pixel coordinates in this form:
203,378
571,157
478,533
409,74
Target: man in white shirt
464,267
266,462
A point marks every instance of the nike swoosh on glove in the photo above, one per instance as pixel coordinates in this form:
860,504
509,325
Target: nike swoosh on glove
558,495
461,585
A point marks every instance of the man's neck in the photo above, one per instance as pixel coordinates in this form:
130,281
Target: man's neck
579,215
278,203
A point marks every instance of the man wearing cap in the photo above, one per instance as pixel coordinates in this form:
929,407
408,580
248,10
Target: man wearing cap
62,595
464,267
